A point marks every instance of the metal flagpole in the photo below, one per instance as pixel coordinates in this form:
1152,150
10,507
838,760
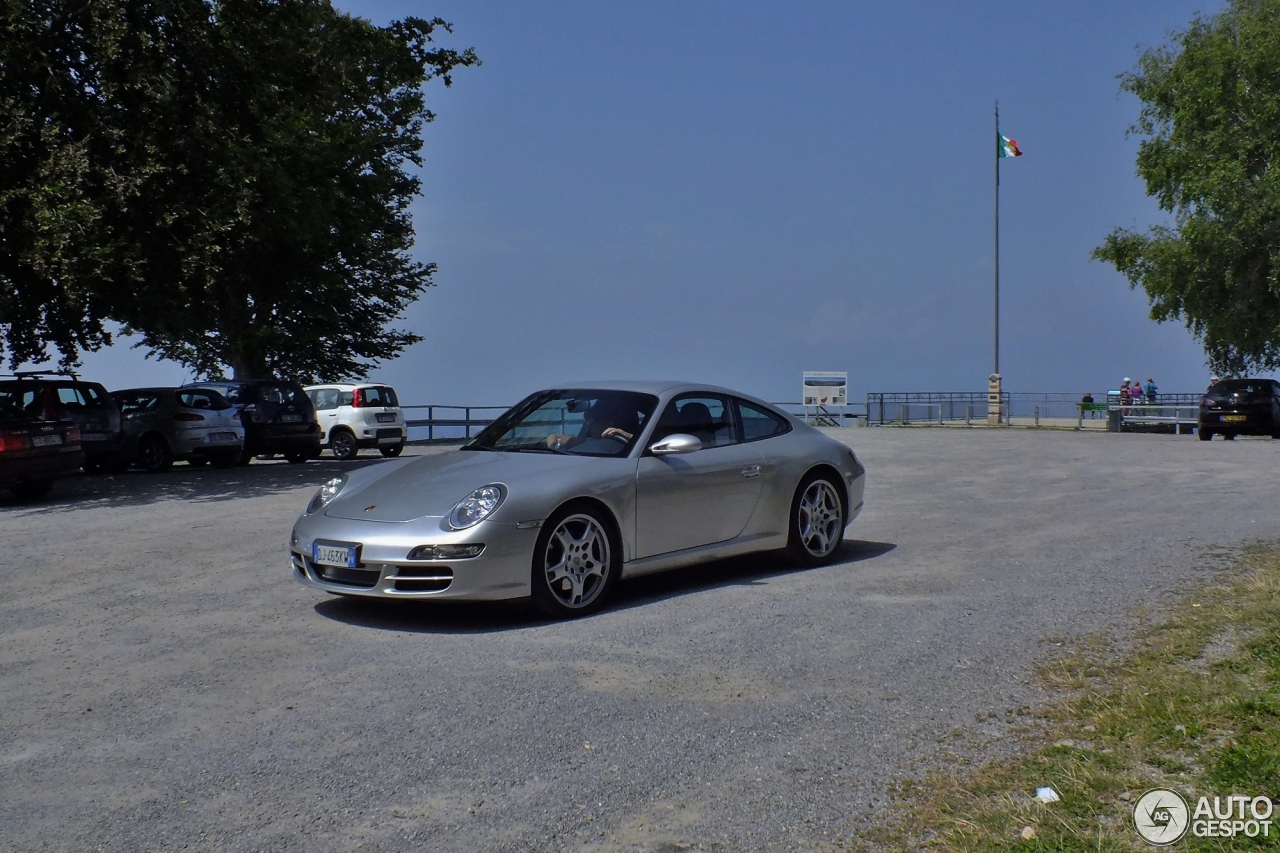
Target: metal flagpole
997,311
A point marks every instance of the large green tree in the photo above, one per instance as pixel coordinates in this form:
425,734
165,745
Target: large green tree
1211,158
229,179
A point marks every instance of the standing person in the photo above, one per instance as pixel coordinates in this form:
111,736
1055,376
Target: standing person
1136,389
1151,390
1213,380
1126,393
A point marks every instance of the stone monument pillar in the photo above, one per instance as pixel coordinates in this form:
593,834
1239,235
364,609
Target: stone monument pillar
995,399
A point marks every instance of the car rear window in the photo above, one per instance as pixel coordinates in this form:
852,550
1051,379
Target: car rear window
281,395
201,398
380,395
81,395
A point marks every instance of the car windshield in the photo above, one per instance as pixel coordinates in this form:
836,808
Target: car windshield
583,422
1228,387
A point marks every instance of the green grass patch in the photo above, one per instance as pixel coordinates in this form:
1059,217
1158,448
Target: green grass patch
1192,705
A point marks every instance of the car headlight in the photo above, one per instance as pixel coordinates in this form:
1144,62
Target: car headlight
326,493
477,506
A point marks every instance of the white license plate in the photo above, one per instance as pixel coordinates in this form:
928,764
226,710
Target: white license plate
328,554
46,440
386,418
291,419
94,436
221,437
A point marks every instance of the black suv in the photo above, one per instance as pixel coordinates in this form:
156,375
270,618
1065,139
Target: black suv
277,416
58,396
1240,407
36,445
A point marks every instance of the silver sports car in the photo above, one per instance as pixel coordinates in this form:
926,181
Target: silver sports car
574,489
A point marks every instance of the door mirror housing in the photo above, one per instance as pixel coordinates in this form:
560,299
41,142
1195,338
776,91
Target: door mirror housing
676,443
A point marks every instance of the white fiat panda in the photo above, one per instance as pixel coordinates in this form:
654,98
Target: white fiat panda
356,416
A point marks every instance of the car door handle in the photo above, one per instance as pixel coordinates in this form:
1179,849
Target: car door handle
751,472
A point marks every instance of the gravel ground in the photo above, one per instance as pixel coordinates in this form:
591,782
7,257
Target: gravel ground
165,685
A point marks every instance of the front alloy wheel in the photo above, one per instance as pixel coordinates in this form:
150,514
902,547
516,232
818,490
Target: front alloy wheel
575,563
817,522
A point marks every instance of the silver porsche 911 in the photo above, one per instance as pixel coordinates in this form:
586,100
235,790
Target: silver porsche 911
574,489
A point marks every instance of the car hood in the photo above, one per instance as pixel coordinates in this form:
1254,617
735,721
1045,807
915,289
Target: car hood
433,485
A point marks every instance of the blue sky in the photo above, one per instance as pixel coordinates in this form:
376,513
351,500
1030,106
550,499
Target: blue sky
737,192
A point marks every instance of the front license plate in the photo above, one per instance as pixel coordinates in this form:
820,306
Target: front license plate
291,419
46,440
335,554
386,418
1231,419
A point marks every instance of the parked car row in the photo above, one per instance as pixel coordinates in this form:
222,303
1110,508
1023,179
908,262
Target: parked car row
52,424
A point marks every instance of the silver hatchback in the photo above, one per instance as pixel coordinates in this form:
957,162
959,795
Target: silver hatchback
164,424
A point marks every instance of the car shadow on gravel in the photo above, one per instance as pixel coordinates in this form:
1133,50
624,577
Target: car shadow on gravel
442,617
181,483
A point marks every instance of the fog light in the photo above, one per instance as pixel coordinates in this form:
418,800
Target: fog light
446,552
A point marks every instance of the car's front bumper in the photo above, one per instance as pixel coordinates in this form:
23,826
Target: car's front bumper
502,571
1238,420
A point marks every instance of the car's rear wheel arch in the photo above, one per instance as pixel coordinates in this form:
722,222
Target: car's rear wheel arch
828,472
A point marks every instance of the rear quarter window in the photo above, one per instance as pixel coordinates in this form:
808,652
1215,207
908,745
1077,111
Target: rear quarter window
758,423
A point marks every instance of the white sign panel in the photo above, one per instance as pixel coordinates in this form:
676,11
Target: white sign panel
825,388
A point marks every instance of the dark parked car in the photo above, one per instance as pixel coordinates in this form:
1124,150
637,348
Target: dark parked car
56,396
277,416
35,450
1240,407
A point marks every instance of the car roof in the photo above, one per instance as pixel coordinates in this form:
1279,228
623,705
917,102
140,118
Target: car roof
348,386
651,386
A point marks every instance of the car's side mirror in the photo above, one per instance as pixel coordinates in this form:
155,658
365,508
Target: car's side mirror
676,443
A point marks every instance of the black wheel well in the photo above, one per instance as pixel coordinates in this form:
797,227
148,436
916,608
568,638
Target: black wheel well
594,503
337,428
834,475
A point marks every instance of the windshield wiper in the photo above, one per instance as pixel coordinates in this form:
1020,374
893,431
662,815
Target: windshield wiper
537,448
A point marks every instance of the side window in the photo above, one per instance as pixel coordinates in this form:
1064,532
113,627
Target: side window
324,398
346,398
69,396
758,423
705,417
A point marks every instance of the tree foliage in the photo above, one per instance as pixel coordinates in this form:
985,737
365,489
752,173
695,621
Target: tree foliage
1211,158
229,179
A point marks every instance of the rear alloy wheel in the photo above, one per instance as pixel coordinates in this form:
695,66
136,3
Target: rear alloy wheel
1205,434
391,451
342,445
31,490
297,457
575,563
816,526
154,455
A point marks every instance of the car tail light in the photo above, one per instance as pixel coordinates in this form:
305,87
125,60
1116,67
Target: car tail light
254,414
11,442
357,398
188,416
853,456
73,435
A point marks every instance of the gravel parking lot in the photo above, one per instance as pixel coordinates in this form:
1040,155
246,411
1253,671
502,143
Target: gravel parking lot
165,684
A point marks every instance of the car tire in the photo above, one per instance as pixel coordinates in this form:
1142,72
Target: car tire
31,490
297,457
391,451
1205,434
815,527
154,455
342,444
576,562
197,461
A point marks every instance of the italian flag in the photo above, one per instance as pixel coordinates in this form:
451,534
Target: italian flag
1006,147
